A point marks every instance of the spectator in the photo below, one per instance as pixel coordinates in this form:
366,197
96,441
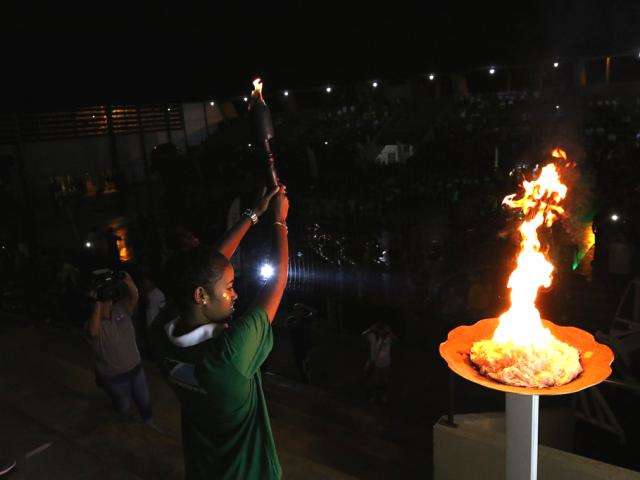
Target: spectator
377,369
154,299
118,365
299,324
478,296
620,255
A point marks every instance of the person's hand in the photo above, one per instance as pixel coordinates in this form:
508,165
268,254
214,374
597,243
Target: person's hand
265,197
93,299
281,205
125,276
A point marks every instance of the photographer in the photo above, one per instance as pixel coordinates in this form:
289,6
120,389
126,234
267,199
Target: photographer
112,336
213,363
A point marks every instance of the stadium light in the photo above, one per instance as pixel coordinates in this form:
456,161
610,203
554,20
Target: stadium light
212,103
266,271
246,99
286,93
492,70
557,107
615,217
556,64
374,84
328,89
431,77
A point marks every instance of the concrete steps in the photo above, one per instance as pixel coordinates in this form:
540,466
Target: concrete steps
41,453
83,438
307,411
328,444
315,402
48,379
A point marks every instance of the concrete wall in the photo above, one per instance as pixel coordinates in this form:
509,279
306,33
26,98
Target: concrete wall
194,122
475,449
46,159
131,157
77,156
198,127
151,139
74,156
179,139
9,154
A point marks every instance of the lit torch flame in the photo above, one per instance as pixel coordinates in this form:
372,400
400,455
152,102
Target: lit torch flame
540,204
256,94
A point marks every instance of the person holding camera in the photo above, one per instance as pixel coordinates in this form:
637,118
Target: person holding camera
112,335
213,363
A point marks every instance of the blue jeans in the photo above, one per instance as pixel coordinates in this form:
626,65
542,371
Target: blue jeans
129,386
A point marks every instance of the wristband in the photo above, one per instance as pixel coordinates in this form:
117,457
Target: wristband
282,225
252,215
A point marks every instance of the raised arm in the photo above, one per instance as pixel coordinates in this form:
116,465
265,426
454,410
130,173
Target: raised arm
270,296
130,302
229,242
93,325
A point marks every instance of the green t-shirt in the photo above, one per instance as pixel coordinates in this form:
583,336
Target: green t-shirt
215,372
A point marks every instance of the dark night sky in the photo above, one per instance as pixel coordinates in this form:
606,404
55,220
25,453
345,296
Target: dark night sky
134,51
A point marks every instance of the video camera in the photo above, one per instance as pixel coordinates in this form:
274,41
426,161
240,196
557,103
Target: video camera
108,284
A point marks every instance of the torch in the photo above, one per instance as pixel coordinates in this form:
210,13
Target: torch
263,130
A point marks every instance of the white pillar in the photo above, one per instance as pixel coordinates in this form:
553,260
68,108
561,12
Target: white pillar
522,436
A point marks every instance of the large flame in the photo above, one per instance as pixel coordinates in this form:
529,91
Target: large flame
521,325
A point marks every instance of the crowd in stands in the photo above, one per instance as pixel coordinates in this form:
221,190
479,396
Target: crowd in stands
439,212
405,230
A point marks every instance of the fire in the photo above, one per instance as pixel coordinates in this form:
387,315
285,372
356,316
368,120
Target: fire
540,205
522,351
559,153
123,250
257,89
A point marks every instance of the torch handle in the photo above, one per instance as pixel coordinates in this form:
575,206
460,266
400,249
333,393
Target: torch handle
273,174
263,131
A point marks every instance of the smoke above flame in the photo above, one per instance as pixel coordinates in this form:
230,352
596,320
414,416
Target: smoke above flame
539,204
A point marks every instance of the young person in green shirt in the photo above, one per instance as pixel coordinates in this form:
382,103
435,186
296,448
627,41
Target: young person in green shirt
213,364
